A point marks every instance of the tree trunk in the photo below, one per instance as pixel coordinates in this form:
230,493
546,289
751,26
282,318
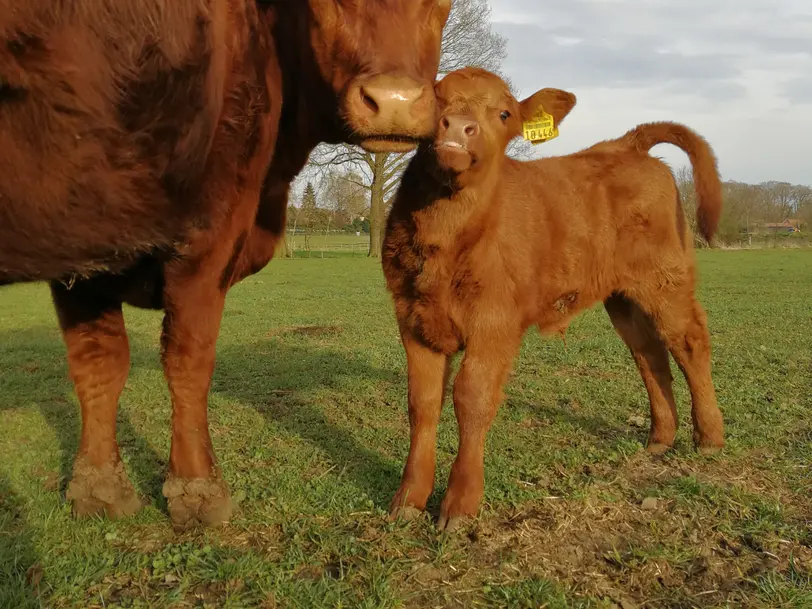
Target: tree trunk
293,237
376,206
326,234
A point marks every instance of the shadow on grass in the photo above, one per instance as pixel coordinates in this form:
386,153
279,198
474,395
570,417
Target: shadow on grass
37,378
19,573
605,433
269,376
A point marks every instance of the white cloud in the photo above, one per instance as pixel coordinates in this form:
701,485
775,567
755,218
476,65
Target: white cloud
737,71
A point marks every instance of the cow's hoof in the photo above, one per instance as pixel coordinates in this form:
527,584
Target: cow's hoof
406,513
197,501
102,490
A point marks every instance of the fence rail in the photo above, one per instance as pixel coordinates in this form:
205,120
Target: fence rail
318,249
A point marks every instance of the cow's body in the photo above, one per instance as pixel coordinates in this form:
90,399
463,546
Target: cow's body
480,247
116,123
146,152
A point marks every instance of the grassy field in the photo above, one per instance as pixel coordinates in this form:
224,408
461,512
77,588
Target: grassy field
309,422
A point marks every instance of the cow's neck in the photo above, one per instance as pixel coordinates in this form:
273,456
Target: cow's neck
309,104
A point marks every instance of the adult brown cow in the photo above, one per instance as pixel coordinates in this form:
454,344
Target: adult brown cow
146,151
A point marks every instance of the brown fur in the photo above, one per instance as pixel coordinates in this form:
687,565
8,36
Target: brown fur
480,247
147,150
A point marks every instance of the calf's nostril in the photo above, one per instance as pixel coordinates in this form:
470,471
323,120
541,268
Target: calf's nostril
445,123
470,130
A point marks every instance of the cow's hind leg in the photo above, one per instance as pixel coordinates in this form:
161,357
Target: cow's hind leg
637,330
98,360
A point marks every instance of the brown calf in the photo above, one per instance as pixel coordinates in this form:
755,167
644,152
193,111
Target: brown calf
480,247
146,151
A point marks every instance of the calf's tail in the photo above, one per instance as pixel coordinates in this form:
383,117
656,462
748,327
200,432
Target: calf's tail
707,183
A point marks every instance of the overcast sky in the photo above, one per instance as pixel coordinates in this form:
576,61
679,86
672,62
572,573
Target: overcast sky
737,71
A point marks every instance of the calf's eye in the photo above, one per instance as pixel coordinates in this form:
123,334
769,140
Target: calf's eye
505,115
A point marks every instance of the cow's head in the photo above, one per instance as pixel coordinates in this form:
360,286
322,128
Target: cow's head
478,117
380,57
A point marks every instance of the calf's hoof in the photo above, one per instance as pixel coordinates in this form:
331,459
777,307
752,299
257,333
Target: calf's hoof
709,449
709,444
197,501
456,512
657,448
451,524
405,512
102,490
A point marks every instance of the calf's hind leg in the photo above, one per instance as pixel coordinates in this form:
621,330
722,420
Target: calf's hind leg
682,323
650,354
99,361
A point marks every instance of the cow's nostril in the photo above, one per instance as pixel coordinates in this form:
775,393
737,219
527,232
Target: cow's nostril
470,130
369,101
445,123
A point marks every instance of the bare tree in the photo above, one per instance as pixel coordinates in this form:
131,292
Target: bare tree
344,194
308,214
377,173
468,40
749,209
685,184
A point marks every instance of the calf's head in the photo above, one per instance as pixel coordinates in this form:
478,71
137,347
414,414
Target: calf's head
380,57
478,117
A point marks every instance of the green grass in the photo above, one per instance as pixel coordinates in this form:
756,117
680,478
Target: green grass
309,423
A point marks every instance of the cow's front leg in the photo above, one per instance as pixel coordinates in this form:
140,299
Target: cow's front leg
194,296
99,361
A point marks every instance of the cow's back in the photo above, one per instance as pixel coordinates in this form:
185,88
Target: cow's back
107,114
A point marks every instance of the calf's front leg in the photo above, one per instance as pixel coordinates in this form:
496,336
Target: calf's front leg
477,395
427,377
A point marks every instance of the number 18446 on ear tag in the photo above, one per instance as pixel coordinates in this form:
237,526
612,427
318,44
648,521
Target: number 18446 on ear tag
540,128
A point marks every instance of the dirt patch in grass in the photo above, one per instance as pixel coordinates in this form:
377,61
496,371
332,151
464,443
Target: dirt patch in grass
671,550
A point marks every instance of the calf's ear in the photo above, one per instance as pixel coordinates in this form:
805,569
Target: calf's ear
556,102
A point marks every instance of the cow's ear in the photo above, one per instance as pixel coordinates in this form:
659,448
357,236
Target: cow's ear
555,102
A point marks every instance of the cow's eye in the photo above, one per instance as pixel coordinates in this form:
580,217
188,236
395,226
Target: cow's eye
505,115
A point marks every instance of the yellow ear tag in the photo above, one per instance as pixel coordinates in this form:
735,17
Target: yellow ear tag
540,128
